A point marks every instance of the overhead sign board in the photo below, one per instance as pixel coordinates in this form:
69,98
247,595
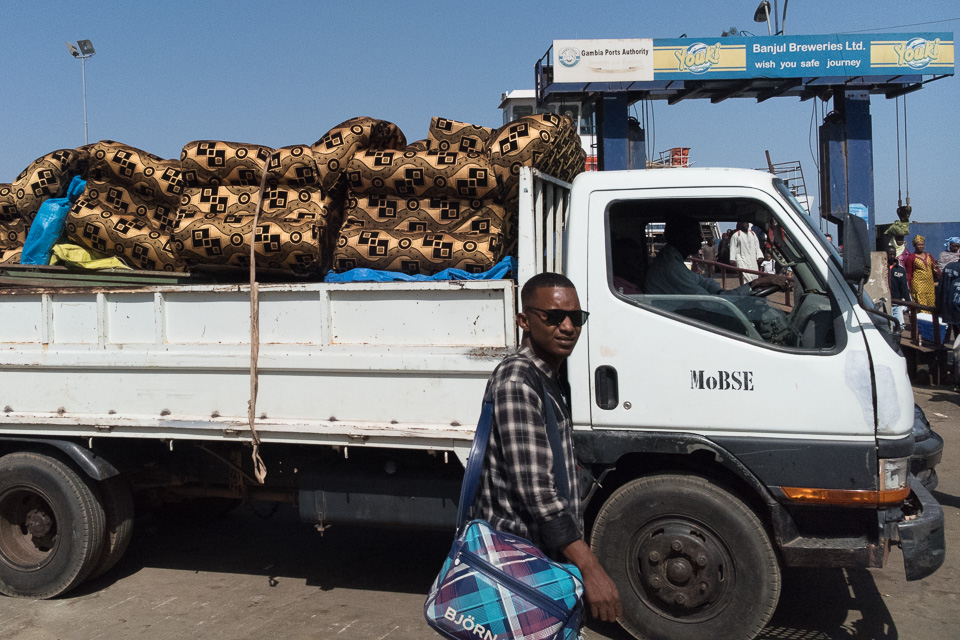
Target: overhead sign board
803,56
603,60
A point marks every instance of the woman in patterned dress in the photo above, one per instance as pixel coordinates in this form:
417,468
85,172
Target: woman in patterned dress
922,273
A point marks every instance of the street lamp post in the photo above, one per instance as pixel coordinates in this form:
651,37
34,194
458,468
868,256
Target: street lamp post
85,51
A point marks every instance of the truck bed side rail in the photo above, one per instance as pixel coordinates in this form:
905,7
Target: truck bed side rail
544,206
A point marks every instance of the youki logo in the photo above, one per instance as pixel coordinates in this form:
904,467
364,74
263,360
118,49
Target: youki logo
698,57
467,623
918,52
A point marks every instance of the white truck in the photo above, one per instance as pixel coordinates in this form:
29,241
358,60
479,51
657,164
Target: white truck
729,437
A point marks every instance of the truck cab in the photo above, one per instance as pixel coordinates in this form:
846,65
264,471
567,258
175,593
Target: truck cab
789,417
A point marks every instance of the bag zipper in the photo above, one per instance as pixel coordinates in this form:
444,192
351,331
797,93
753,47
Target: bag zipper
541,601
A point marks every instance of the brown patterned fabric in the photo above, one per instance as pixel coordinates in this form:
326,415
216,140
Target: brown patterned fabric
129,206
13,228
95,224
293,166
225,240
423,215
545,141
415,253
11,255
334,150
212,162
450,135
422,174
418,145
147,179
47,177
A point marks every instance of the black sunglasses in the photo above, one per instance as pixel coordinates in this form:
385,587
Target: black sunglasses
554,317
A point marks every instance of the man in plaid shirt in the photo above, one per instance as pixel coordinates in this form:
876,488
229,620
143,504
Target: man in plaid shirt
518,492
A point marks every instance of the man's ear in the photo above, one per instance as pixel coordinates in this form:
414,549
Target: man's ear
523,321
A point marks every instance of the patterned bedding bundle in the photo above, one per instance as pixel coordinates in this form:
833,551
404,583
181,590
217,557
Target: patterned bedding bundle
215,222
129,207
360,196
450,135
13,228
46,177
428,208
335,149
545,141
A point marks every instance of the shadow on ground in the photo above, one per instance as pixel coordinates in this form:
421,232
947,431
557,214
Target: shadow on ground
815,604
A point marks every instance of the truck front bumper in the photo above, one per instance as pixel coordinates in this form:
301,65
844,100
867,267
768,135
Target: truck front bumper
921,533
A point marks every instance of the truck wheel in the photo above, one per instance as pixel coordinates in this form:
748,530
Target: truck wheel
51,526
691,561
118,507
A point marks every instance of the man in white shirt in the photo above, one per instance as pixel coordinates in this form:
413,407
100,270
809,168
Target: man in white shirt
745,250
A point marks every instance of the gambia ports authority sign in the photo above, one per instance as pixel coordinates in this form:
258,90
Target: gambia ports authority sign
603,60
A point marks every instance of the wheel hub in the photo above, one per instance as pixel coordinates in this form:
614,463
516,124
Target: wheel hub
680,567
38,523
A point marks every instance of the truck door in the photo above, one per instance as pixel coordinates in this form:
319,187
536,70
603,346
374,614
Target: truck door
783,381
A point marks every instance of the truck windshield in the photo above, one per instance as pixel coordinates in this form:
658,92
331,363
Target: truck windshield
807,219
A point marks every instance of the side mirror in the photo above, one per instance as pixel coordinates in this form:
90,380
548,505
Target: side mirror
856,249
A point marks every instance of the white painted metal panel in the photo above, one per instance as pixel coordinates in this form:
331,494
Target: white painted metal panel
410,360
21,319
131,318
74,319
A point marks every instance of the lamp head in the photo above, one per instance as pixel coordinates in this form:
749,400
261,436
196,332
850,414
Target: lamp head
72,48
762,14
86,47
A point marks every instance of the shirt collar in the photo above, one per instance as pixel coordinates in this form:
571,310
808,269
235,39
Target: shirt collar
528,352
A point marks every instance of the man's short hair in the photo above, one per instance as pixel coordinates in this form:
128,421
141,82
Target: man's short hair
681,230
545,280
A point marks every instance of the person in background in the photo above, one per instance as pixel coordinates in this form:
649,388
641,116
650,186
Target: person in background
922,273
710,255
745,250
768,265
952,253
723,249
948,296
830,238
897,279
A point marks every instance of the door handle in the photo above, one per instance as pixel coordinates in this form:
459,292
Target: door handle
608,391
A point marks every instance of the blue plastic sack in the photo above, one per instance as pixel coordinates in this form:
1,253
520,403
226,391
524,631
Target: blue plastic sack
506,268
48,225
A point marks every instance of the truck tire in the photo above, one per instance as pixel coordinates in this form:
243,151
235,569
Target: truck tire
51,526
118,508
691,561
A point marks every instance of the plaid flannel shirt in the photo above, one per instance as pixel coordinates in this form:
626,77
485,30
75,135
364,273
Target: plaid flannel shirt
518,493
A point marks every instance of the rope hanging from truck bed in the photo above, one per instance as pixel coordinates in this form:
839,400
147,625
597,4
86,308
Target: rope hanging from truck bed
259,469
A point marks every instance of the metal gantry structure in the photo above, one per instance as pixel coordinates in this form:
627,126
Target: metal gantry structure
845,68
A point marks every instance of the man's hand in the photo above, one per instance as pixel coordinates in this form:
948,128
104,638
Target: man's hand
599,589
781,282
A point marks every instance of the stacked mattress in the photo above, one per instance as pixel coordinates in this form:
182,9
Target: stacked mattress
358,197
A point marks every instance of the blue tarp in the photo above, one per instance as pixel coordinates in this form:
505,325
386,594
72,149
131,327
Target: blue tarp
47,227
506,268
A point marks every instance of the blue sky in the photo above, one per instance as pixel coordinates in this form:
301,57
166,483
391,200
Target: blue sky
281,73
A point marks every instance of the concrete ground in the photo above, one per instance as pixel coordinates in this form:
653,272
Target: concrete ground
253,574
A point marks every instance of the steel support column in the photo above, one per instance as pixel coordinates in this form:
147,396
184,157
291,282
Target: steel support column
846,157
620,141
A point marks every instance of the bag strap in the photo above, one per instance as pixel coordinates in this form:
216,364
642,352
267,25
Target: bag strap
471,476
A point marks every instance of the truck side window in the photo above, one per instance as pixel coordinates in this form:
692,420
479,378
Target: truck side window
722,245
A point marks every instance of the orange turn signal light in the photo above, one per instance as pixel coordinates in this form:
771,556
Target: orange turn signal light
846,497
